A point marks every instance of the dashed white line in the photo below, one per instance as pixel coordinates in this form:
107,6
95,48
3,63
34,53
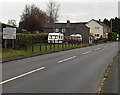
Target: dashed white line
105,46
87,52
22,75
66,59
97,49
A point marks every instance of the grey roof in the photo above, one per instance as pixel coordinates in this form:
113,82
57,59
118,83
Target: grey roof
6,25
61,25
84,22
54,25
101,23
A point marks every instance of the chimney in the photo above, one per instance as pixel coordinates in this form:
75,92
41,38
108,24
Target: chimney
99,20
68,23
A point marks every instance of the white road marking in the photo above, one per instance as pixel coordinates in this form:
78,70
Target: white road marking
66,59
22,75
105,46
97,49
87,52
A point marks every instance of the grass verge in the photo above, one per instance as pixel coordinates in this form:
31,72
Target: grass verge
11,54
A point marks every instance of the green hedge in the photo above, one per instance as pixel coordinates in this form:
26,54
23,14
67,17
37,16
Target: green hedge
26,40
112,36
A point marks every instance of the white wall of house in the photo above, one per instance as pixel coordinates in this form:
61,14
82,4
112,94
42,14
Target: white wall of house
91,39
105,32
96,29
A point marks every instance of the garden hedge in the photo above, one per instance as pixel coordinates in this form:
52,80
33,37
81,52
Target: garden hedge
112,36
26,40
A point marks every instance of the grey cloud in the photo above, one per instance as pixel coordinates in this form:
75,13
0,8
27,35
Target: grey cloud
75,11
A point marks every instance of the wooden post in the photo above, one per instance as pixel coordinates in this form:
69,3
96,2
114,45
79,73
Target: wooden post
5,43
40,46
13,45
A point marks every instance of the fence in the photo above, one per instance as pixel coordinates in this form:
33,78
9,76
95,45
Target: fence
23,40
40,46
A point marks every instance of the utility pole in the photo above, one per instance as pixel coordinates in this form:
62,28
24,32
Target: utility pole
119,9
111,25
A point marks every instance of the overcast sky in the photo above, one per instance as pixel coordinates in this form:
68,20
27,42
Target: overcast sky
74,10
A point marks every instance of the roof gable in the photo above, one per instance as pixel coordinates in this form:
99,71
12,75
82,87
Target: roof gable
100,23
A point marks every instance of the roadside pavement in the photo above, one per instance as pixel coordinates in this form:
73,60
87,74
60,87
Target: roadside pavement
111,83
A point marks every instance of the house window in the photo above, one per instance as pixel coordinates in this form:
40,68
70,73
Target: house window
63,30
97,27
57,30
96,35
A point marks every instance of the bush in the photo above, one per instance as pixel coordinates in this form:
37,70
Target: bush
112,36
26,40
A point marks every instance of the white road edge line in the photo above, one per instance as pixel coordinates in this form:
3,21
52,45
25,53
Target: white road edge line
97,49
87,52
66,59
22,75
105,46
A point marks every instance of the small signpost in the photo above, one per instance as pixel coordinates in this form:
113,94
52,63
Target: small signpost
9,33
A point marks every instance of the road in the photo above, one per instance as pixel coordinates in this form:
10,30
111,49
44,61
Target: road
73,71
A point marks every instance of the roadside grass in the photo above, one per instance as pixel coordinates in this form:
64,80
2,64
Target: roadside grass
40,49
6,53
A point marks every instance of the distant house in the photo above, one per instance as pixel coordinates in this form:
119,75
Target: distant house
68,29
6,25
2,25
98,29
18,30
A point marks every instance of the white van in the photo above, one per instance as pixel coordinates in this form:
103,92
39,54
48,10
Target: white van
55,37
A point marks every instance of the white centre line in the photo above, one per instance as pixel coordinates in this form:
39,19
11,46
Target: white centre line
66,59
22,75
87,52
97,49
105,46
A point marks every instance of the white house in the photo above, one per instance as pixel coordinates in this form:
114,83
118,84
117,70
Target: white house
98,29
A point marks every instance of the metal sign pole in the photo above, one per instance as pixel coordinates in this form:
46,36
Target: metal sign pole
5,43
13,43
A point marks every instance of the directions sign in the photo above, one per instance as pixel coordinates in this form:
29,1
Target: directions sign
9,33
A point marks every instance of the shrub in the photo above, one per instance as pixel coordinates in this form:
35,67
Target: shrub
112,36
26,40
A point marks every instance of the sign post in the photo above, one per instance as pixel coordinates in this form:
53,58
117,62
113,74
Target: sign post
9,33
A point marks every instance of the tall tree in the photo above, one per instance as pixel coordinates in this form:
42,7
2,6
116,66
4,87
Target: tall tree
53,10
115,24
106,21
32,18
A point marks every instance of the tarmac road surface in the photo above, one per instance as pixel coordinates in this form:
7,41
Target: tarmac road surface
73,71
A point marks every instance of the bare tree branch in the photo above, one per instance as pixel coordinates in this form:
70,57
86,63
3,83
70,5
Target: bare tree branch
53,10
